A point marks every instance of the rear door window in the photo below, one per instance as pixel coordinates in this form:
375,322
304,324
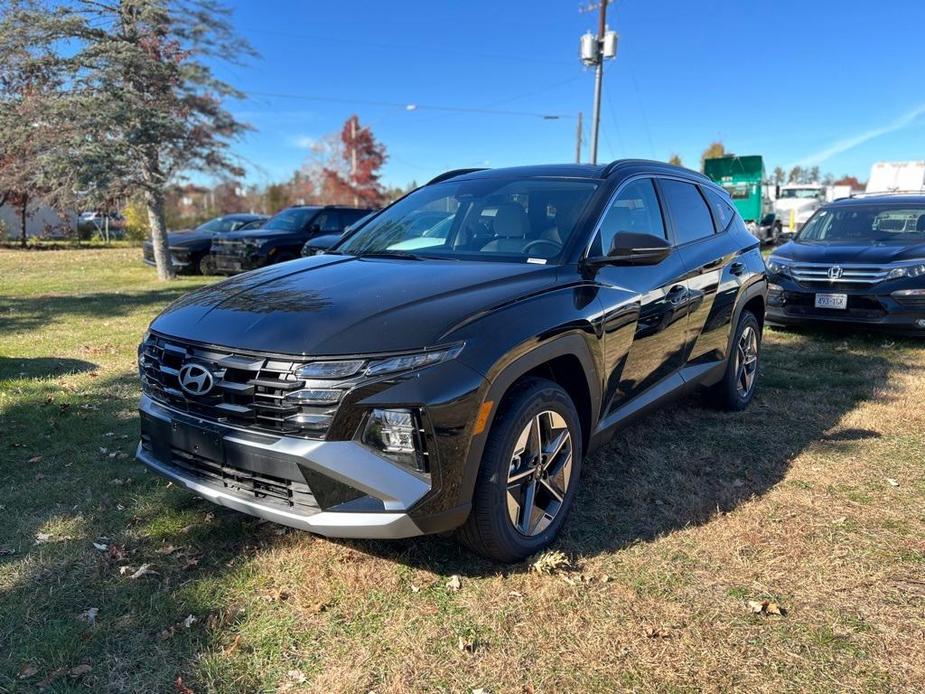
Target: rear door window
328,222
690,216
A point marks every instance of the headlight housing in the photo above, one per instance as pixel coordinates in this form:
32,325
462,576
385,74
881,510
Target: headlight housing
916,269
409,362
779,266
253,244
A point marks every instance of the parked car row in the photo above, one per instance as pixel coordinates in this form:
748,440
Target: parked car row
241,242
451,361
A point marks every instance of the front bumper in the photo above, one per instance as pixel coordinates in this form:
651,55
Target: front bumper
227,264
794,304
333,488
180,261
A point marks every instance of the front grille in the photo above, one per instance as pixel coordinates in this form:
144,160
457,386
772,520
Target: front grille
266,489
249,390
817,274
227,247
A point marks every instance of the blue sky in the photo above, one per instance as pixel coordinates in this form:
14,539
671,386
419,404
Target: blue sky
831,83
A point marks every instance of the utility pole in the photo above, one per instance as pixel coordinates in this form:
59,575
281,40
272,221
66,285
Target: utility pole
578,135
353,160
594,50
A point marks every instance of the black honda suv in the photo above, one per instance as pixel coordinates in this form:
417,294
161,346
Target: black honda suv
279,239
457,376
857,261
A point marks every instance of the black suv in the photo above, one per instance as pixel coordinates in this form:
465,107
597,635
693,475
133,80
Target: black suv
857,261
281,238
189,248
457,376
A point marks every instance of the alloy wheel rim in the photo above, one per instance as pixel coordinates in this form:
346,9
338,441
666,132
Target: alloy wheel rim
539,473
746,361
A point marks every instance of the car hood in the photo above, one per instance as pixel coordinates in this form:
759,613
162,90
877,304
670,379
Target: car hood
257,234
335,305
868,253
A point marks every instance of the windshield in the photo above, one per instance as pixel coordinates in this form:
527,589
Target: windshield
293,219
800,193
482,219
863,224
220,224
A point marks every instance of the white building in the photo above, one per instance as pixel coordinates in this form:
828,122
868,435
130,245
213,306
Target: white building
41,221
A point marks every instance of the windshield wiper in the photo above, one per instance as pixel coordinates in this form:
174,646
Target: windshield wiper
403,255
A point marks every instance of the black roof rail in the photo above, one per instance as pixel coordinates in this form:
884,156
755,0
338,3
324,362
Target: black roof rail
611,167
453,173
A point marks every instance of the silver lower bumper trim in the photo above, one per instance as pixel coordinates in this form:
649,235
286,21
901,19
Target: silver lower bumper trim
329,523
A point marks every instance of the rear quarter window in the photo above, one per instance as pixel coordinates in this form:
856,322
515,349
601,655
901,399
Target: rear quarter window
690,216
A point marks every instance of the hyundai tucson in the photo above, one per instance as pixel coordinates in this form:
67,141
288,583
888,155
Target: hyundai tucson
455,373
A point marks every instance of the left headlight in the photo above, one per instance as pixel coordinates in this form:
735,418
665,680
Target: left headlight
914,270
779,266
409,362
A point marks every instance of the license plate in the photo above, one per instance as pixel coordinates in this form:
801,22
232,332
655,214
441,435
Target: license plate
839,301
199,440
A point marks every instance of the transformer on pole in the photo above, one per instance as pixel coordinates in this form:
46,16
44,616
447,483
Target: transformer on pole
594,50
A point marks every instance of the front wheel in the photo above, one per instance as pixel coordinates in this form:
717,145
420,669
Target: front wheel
737,388
529,473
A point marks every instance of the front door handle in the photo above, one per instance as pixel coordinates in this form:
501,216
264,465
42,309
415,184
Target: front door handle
737,268
676,294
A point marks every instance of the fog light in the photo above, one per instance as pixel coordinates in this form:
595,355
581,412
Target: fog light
397,435
920,323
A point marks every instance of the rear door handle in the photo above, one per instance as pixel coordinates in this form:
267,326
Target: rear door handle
737,268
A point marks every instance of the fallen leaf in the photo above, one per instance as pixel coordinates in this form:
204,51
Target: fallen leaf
100,546
466,645
143,570
551,562
297,676
39,477
658,633
115,552
80,670
6,551
27,671
42,538
190,563
166,549
766,607
89,616
35,459
319,607
233,646
892,482
455,583
189,621
415,589
182,688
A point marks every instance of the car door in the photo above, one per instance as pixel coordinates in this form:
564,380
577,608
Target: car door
650,298
702,220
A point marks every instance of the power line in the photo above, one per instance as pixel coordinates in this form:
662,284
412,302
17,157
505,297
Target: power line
410,106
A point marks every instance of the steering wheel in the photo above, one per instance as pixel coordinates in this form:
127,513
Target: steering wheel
555,246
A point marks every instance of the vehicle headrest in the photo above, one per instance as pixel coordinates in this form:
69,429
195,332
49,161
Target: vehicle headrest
511,221
920,224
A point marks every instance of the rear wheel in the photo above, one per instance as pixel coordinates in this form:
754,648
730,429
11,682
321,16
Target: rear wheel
529,473
737,388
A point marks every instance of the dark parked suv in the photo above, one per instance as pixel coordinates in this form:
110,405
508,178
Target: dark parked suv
378,391
857,261
281,238
189,248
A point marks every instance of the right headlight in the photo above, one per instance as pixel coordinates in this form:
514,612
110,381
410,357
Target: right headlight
409,362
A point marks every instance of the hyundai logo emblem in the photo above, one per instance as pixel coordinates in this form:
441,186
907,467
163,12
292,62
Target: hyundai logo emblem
196,379
835,272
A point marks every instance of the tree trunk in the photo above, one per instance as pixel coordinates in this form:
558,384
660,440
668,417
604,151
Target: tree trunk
154,201
23,213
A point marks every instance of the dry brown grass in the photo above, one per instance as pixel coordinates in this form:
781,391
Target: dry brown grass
814,499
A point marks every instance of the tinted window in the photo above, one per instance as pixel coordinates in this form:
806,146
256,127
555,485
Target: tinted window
722,210
351,216
328,222
688,211
293,219
634,209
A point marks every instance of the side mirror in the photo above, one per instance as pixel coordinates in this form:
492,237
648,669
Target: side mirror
633,248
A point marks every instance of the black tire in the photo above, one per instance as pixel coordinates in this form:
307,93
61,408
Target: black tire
730,394
490,530
196,265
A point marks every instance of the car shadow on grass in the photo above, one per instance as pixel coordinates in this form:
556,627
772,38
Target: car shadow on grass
21,314
685,464
12,368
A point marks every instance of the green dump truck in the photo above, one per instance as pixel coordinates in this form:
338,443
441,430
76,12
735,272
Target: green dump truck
744,179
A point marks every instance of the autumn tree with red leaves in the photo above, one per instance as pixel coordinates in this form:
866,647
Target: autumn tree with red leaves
345,169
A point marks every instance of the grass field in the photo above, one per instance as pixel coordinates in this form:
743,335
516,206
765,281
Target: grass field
813,500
